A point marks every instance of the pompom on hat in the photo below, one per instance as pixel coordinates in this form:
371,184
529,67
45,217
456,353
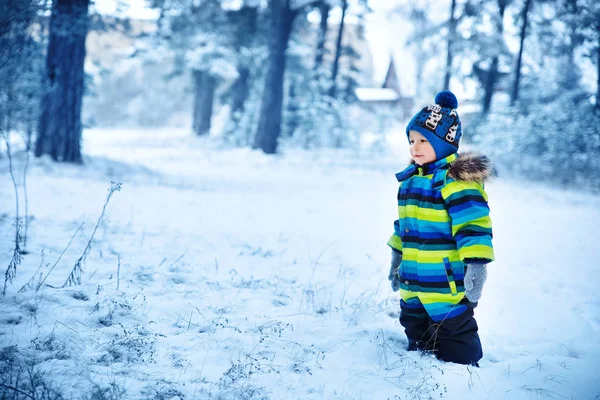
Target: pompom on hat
440,124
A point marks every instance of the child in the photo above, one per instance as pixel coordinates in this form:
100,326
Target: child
442,239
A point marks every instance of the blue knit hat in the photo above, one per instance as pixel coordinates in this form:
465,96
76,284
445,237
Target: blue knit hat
440,124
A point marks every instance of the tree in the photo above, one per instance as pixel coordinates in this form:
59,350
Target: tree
244,20
211,63
492,73
571,10
338,50
60,127
579,19
589,26
204,94
450,40
283,13
205,49
421,40
324,9
598,67
459,37
523,33
311,117
199,35
21,65
350,76
464,36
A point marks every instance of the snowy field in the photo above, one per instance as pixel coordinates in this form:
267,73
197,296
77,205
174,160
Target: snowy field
228,274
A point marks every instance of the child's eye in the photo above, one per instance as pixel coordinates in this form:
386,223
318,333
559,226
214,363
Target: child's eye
412,141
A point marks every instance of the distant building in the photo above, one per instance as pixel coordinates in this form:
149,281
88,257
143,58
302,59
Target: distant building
388,97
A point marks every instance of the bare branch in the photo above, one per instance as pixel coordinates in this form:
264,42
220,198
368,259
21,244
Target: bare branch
11,271
27,150
11,57
75,275
17,390
59,257
32,5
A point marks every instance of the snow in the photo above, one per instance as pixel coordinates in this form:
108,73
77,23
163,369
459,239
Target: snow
136,9
242,275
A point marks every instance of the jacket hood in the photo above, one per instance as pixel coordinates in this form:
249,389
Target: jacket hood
471,167
467,167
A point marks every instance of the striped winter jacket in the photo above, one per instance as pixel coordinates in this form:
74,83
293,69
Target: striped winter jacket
443,224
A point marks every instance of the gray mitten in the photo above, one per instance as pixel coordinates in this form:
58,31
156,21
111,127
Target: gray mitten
474,280
393,277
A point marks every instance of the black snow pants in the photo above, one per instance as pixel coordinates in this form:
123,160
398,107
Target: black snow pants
454,340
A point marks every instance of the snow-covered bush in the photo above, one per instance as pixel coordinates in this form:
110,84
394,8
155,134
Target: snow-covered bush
552,135
316,120
312,118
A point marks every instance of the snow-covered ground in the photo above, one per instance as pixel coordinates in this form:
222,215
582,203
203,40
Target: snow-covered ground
228,274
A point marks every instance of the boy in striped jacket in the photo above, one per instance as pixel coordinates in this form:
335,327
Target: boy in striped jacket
442,239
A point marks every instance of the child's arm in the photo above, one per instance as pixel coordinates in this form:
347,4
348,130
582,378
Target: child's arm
467,206
395,242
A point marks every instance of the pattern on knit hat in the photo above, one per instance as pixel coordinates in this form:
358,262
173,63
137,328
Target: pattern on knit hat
440,124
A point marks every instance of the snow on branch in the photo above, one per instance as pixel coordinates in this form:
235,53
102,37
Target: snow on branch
209,55
298,4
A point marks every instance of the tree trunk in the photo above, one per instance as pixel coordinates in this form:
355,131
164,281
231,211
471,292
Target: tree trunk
240,90
59,130
204,94
246,30
338,50
269,122
573,41
490,85
292,108
449,53
9,108
515,90
324,9
492,75
598,71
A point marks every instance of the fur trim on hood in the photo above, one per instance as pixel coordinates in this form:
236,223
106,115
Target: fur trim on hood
471,167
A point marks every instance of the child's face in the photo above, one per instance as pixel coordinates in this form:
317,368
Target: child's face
421,150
